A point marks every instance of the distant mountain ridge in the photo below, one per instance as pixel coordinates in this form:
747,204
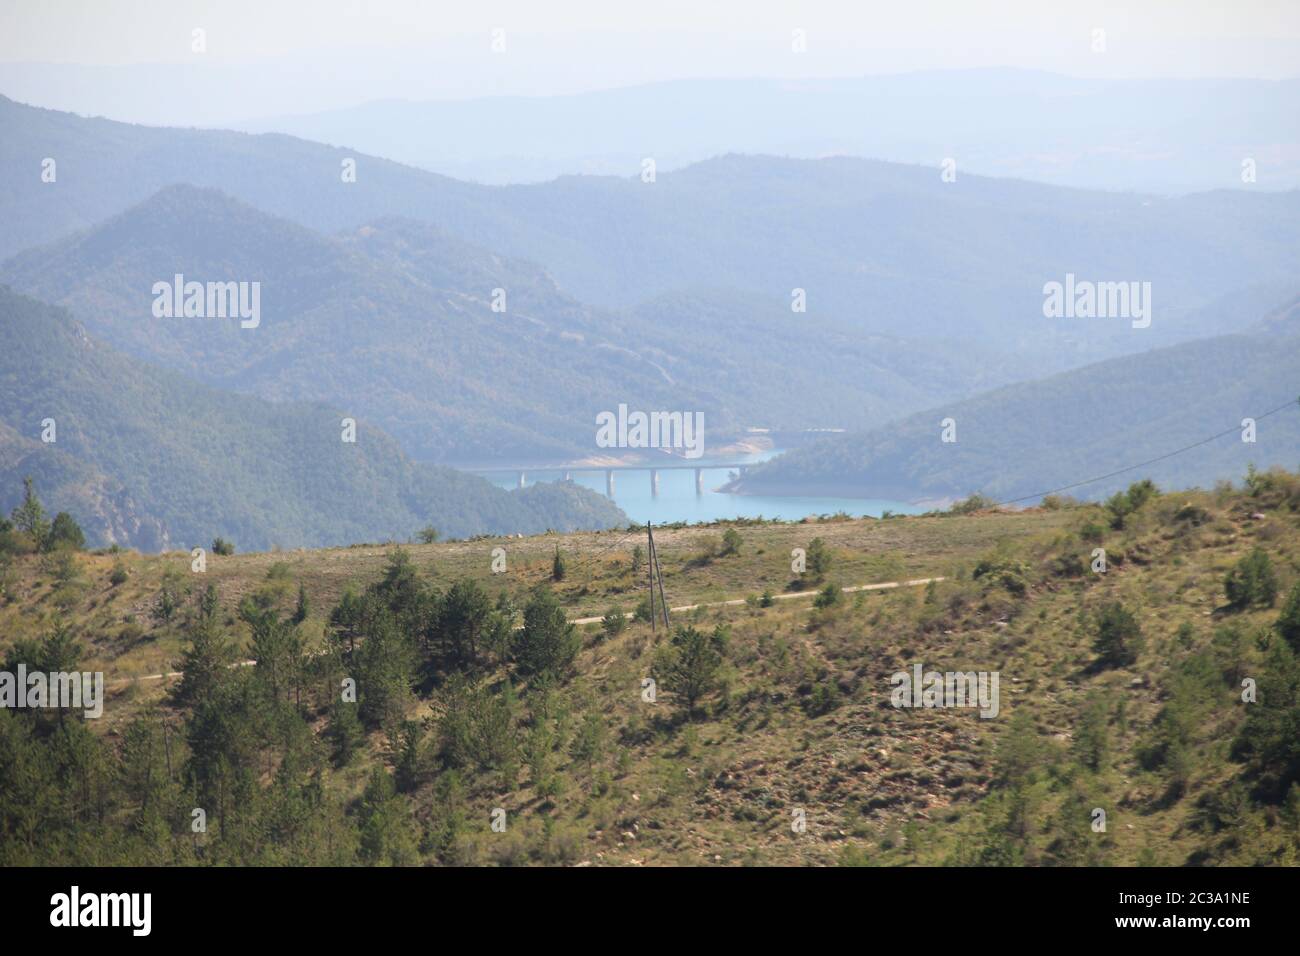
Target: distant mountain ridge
1154,135
878,247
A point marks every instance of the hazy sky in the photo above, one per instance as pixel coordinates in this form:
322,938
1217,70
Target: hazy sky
265,57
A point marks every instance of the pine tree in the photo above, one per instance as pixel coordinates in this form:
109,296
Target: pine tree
303,609
1270,738
344,731
818,559
205,662
588,745
548,642
387,833
29,517
688,665
463,619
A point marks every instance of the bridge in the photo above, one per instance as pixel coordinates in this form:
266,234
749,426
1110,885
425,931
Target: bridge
609,470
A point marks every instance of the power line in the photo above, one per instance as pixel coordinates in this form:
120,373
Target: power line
588,560
1143,464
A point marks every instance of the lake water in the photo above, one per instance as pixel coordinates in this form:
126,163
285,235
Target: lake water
677,499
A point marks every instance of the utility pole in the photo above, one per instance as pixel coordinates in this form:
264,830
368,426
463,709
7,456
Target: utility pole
650,571
657,572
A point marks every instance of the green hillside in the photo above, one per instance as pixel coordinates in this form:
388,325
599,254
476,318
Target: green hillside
1031,437
148,458
1124,691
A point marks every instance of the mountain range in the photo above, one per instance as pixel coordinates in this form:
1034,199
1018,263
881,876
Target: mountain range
475,322
1154,135
395,321
880,247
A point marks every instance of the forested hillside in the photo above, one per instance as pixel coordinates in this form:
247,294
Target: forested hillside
1056,431
395,321
147,458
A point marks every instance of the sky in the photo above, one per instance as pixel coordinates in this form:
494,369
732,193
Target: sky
136,59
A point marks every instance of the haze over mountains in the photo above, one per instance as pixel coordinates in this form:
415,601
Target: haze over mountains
879,247
394,321
1163,136
1159,136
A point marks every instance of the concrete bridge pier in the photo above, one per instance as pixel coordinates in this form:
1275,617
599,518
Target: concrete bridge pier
699,481
654,482
609,483
521,479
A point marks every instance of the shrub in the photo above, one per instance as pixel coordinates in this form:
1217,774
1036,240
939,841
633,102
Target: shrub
731,542
709,549
1269,740
824,698
1252,582
222,547
65,533
613,622
996,570
976,502
1068,565
818,559
1092,532
1122,504
1258,482
643,611
118,575
1058,502
827,597
1119,636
